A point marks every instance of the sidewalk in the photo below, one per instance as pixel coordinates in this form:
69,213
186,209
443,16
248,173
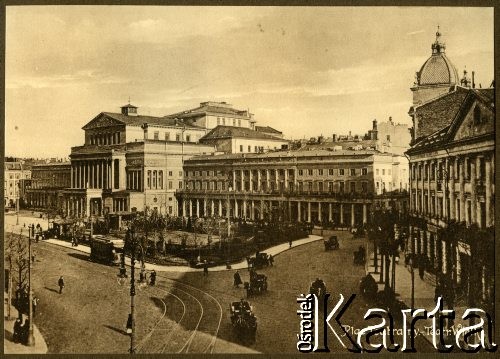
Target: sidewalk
423,290
182,269
9,346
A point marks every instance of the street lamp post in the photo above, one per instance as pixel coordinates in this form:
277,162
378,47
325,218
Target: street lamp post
132,244
31,338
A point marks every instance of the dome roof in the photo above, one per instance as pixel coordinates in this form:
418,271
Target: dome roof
438,69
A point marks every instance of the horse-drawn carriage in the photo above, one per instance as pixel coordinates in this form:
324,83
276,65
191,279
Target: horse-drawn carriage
257,284
259,261
243,320
331,243
318,288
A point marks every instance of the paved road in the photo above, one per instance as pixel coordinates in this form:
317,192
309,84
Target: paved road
186,312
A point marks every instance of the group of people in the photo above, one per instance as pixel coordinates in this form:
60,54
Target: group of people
21,331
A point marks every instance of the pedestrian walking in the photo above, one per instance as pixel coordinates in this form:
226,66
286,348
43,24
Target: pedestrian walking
271,260
205,268
290,243
152,278
33,257
237,279
60,282
34,304
16,336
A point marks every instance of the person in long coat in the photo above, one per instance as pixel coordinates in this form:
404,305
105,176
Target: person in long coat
237,279
60,282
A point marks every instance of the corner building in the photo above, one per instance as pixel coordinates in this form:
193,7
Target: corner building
452,166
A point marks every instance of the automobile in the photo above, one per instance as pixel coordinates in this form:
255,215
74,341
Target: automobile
331,243
243,320
256,285
259,261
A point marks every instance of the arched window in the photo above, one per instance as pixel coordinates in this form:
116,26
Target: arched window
160,179
154,179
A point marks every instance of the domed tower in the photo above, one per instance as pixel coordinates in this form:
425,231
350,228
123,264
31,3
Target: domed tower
436,76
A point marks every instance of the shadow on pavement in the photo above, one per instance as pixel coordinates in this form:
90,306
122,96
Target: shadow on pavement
52,290
84,257
116,329
157,302
7,335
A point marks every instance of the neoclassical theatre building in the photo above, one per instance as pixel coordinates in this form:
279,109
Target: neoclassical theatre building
452,167
129,161
330,185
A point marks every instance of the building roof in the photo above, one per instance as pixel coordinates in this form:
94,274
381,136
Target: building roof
438,69
283,154
267,129
140,120
453,106
211,108
52,164
12,166
221,132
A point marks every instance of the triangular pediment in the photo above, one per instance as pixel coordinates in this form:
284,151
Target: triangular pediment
476,118
102,120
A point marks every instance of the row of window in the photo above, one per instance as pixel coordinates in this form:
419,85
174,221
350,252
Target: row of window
431,171
377,172
257,149
223,121
301,186
178,137
281,172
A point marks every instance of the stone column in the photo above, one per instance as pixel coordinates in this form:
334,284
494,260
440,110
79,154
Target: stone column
87,206
268,180
234,180
429,197
330,215
197,208
205,205
478,177
252,213
473,191
245,203
352,216
113,178
436,178
320,217
190,208
452,198
365,213
487,194
286,178
309,212
250,177
259,180
236,209
461,195
261,209
298,211
342,213
220,208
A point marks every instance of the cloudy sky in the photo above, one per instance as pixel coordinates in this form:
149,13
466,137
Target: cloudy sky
305,71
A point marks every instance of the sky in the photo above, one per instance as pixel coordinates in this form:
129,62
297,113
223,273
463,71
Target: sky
306,71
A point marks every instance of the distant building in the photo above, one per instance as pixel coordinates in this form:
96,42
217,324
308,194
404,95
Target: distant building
14,172
305,185
46,184
230,139
211,114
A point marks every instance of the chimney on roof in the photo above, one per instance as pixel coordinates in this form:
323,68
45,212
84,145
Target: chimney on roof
473,83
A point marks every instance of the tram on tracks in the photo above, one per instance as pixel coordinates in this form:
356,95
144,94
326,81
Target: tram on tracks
106,249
